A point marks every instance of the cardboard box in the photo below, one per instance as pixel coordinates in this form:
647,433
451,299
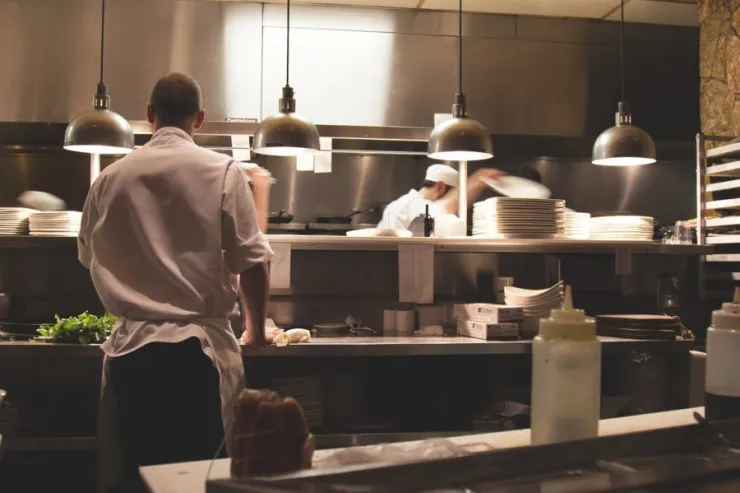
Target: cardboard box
485,312
487,331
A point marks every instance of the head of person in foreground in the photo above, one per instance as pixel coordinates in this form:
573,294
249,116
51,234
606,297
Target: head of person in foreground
176,101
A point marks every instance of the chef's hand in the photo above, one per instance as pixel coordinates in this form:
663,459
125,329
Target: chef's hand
260,178
490,173
248,338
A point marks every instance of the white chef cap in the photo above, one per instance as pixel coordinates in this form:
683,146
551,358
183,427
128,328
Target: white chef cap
441,172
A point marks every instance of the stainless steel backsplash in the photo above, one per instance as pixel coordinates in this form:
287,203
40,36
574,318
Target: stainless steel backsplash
349,66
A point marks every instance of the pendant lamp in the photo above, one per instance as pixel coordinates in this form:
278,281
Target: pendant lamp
100,130
285,133
461,138
623,144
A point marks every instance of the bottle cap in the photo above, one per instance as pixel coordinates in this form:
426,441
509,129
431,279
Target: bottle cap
568,322
729,316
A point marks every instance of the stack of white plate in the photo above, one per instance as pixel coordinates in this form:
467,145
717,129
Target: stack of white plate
577,225
55,223
307,391
511,218
622,228
14,220
536,304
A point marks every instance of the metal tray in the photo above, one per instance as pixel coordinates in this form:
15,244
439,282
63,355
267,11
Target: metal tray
648,461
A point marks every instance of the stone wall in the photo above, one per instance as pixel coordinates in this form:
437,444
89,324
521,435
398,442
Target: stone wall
719,66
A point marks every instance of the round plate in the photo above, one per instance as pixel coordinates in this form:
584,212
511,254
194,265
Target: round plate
514,186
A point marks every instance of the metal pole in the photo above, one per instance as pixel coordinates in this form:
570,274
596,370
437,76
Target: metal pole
701,165
700,188
94,167
462,193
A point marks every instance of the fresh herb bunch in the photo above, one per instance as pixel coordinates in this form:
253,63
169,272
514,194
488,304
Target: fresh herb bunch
82,329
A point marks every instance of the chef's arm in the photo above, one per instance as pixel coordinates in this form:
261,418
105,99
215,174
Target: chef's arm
260,182
254,285
476,187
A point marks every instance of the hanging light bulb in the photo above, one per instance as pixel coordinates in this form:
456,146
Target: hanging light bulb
461,138
100,130
623,144
285,133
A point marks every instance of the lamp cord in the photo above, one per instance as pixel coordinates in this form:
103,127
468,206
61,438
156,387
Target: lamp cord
621,49
459,50
287,57
102,39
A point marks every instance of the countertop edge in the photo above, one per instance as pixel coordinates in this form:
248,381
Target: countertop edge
354,347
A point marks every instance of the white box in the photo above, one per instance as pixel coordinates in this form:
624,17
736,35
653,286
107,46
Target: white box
485,312
487,331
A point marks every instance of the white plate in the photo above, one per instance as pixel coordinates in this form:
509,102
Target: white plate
494,206
524,293
517,236
535,305
513,202
514,186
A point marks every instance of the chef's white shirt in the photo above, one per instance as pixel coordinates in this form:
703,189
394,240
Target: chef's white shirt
403,210
164,229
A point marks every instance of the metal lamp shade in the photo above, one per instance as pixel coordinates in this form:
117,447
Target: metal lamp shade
99,131
286,134
460,139
624,145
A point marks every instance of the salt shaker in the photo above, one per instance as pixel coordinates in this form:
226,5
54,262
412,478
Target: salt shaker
566,377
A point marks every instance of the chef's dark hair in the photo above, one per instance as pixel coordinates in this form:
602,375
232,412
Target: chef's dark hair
176,98
432,184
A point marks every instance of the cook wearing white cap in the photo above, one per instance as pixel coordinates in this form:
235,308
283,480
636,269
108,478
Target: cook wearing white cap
438,191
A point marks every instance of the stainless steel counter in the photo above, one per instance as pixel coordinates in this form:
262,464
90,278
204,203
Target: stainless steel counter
462,244
363,347
436,346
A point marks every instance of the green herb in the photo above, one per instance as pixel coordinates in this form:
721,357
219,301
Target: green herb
82,329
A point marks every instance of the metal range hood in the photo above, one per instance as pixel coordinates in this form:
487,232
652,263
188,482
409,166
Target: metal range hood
346,139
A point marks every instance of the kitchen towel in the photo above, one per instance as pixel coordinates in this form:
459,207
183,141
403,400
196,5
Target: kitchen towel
280,266
416,274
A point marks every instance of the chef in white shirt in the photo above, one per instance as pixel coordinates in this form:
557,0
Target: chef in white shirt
164,230
438,192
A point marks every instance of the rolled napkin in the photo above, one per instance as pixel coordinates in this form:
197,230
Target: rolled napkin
270,436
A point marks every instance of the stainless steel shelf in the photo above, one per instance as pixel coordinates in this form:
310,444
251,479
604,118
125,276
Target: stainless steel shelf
723,240
463,245
723,204
723,257
718,222
353,132
723,186
725,151
432,346
725,169
721,276
358,347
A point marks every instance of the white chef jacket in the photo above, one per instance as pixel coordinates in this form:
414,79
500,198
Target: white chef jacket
163,231
403,210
